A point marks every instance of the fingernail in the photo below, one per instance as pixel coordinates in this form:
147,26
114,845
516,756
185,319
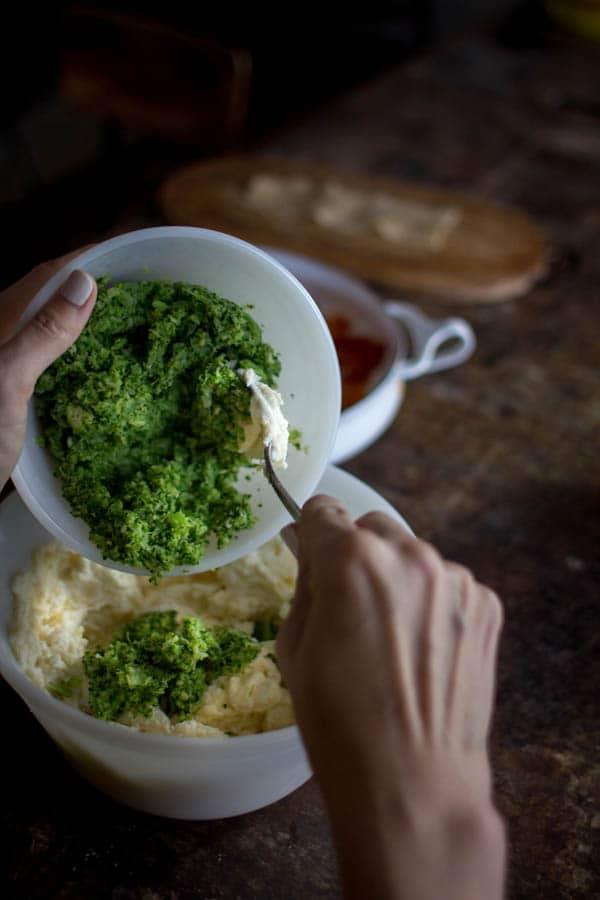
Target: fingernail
290,537
78,287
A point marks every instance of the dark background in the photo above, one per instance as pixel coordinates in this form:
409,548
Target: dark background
79,161
495,462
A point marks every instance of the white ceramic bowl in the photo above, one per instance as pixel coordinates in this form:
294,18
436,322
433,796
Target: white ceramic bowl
421,346
292,323
185,778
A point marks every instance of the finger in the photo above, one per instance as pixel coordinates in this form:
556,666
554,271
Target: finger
324,519
52,331
292,629
489,660
321,520
471,678
15,299
290,538
325,538
385,527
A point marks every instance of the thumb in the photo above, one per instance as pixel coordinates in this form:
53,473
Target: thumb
52,331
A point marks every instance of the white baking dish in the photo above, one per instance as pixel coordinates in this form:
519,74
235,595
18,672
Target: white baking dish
422,346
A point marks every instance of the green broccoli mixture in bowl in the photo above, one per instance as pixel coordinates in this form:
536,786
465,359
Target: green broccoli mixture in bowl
143,418
154,661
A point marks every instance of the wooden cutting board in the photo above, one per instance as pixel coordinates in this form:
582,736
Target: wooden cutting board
406,237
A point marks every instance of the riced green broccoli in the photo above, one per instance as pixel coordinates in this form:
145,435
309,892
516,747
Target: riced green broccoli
152,661
143,419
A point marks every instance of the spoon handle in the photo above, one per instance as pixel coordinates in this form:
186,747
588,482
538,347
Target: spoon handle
286,498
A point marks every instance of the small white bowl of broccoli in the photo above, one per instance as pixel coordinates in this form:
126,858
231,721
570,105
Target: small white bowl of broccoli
132,454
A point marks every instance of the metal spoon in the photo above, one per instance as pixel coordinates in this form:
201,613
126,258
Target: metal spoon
286,498
272,477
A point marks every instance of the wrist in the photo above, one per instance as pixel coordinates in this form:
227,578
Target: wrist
454,850
424,829
409,786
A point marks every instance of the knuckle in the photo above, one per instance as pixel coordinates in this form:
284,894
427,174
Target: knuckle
461,575
321,509
427,559
356,546
371,518
495,608
49,326
318,501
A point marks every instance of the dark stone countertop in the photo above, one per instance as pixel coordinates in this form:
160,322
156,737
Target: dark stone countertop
497,463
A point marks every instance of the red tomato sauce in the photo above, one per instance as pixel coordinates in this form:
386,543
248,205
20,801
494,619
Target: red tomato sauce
358,357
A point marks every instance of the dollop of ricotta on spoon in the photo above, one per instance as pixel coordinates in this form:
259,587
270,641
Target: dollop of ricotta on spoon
267,424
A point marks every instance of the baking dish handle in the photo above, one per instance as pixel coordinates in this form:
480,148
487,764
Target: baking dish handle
428,337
